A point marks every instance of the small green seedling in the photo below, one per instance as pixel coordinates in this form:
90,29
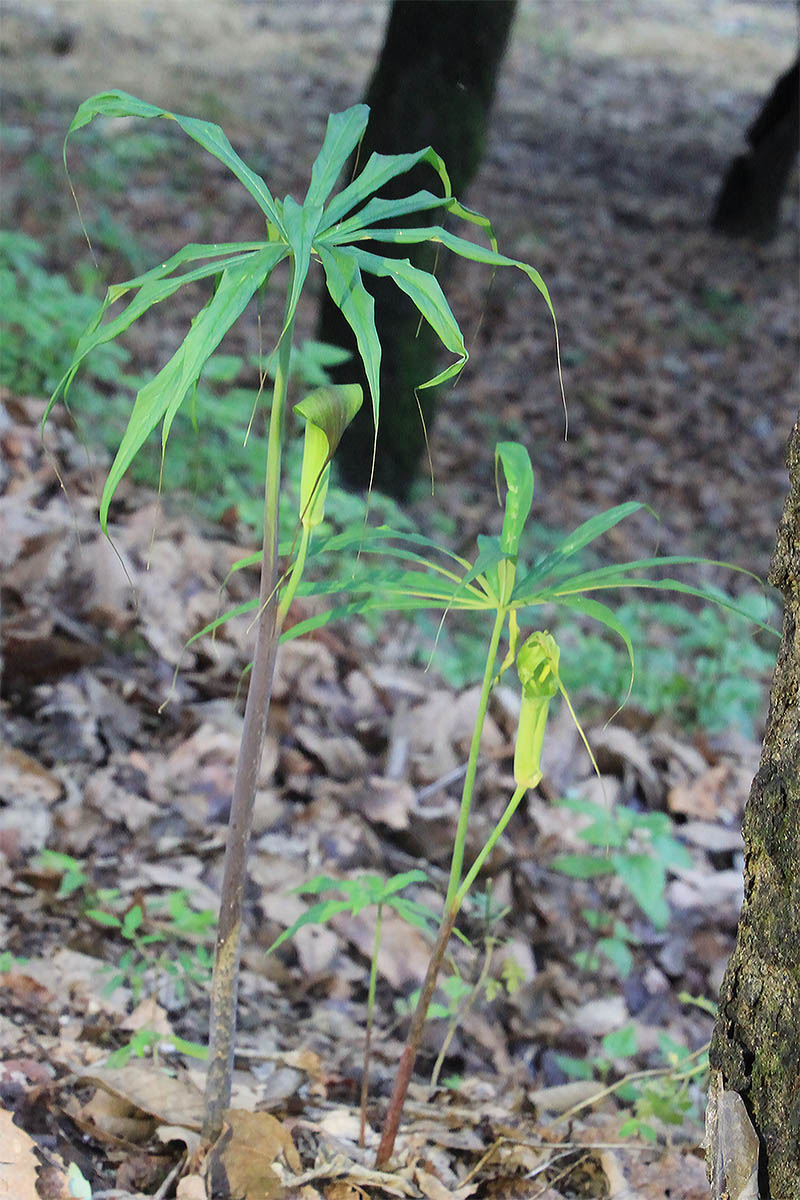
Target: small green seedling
357,894
662,1094
614,941
147,1041
638,848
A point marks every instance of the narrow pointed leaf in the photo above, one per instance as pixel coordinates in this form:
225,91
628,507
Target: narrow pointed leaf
343,280
462,247
342,135
162,396
153,288
585,533
117,103
379,170
380,209
301,226
516,464
423,288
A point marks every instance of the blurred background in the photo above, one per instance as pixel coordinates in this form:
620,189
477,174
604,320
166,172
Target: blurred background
611,133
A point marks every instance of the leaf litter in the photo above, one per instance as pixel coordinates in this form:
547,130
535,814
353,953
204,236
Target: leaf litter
353,780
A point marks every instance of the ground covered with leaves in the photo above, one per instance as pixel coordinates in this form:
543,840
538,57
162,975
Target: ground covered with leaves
568,1018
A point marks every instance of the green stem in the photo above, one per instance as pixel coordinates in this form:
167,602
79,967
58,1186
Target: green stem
472,762
451,907
494,836
225,982
297,573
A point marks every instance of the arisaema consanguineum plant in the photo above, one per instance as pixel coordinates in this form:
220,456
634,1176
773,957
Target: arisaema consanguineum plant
343,234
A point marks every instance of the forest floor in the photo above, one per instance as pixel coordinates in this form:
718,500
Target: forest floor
613,126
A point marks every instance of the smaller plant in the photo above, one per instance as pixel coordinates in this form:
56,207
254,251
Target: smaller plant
141,962
73,877
614,941
357,894
147,1041
636,847
180,924
659,1094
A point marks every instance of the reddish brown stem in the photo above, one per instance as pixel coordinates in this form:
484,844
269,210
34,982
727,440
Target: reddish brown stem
411,1048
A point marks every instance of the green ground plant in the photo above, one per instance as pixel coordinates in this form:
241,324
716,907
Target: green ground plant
637,847
407,572
166,939
667,1095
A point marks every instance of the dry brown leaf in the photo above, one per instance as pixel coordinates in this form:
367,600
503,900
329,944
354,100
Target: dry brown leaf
387,801
18,1161
117,1117
191,1187
172,1101
342,757
433,1188
702,797
242,1161
342,1190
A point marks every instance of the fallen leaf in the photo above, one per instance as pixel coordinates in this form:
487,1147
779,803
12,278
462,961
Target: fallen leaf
242,1161
172,1101
18,1161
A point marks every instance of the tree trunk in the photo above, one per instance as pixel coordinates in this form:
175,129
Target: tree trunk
755,1051
433,86
749,201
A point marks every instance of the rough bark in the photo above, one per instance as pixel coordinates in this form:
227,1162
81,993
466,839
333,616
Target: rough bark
749,201
433,86
755,1050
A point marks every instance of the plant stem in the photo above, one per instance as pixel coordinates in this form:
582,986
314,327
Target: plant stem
493,838
373,981
225,982
472,763
407,1058
451,907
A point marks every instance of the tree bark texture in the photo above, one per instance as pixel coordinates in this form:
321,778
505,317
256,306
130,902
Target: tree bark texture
433,86
756,1043
749,200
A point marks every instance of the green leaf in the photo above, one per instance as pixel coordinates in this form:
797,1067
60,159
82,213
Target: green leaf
645,880
586,533
301,224
461,247
582,866
162,396
117,103
132,920
379,170
516,464
380,209
344,130
424,290
104,918
617,953
621,1043
153,287
343,280
318,914
398,882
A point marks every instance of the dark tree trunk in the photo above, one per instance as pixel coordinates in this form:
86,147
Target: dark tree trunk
749,201
755,1051
433,85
